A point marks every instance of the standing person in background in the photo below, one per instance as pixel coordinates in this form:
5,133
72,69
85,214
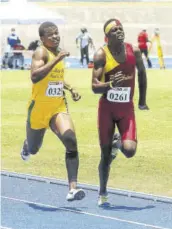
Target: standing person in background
83,40
142,44
18,57
48,107
13,39
157,40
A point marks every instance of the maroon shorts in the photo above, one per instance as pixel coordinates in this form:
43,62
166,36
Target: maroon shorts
112,114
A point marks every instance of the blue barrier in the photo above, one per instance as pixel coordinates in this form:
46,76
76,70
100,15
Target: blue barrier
73,62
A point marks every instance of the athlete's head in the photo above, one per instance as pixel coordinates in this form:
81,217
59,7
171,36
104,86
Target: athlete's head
156,31
49,34
113,30
83,30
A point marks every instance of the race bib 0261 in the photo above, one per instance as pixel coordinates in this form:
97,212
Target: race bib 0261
54,89
119,94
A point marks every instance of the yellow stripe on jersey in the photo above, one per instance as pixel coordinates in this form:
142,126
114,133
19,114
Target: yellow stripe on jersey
111,63
47,89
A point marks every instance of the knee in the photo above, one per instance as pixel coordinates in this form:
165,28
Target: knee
71,154
69,140
129,151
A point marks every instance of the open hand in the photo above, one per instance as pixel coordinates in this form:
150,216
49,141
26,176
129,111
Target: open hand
117,79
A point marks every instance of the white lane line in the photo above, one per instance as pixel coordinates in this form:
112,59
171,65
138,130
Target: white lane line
50,179
85,213
1,227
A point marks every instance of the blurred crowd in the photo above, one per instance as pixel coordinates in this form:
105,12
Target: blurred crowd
13,56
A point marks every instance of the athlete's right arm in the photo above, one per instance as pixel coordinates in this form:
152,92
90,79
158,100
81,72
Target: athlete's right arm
99,60
40,66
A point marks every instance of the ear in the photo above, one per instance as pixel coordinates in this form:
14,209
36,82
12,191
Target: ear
42,39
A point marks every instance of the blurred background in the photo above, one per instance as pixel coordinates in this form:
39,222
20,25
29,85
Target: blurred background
25,16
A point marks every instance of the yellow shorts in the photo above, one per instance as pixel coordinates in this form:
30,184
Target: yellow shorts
40,113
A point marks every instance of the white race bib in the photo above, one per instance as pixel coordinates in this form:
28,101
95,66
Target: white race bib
54,89
119,94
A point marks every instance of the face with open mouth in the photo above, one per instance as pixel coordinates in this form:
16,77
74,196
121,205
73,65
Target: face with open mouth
117,33
51,37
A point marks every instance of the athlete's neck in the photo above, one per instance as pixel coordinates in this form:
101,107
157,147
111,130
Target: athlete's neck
116,49
54,50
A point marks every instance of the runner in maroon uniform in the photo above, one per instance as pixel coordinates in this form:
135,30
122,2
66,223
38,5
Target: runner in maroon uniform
142,44
114,78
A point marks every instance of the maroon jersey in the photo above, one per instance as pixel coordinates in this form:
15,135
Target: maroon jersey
128,68
116,106
142,40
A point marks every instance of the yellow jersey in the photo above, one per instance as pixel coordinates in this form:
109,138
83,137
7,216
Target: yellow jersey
50,88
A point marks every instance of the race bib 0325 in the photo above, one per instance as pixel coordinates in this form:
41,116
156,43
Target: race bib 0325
54,89
119,94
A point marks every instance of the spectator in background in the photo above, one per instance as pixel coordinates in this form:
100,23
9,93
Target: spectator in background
18,57
7,58
13,39
83,40
12,59
142,44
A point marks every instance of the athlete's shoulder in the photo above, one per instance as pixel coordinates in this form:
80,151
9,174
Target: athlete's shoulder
99,57
99,53
40,52
129,45
132,47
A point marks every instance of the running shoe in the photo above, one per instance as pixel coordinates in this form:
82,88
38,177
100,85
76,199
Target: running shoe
75,194
25,155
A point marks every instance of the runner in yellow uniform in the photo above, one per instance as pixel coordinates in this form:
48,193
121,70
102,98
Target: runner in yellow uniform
157,40
48,107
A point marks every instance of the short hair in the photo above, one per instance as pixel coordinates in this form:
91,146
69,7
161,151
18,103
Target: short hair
44,26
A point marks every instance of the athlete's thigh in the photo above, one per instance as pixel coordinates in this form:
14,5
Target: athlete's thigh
127,125
60,123
34,137
106,124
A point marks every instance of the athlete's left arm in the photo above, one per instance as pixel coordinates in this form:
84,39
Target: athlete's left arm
74,93
142,79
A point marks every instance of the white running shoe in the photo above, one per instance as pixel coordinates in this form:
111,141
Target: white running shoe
75,194
103,201
25,155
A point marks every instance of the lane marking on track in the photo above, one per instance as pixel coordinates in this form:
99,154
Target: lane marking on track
85,213
2,227
49,180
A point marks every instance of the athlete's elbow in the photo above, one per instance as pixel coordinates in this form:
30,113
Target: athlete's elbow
34,78
95,89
